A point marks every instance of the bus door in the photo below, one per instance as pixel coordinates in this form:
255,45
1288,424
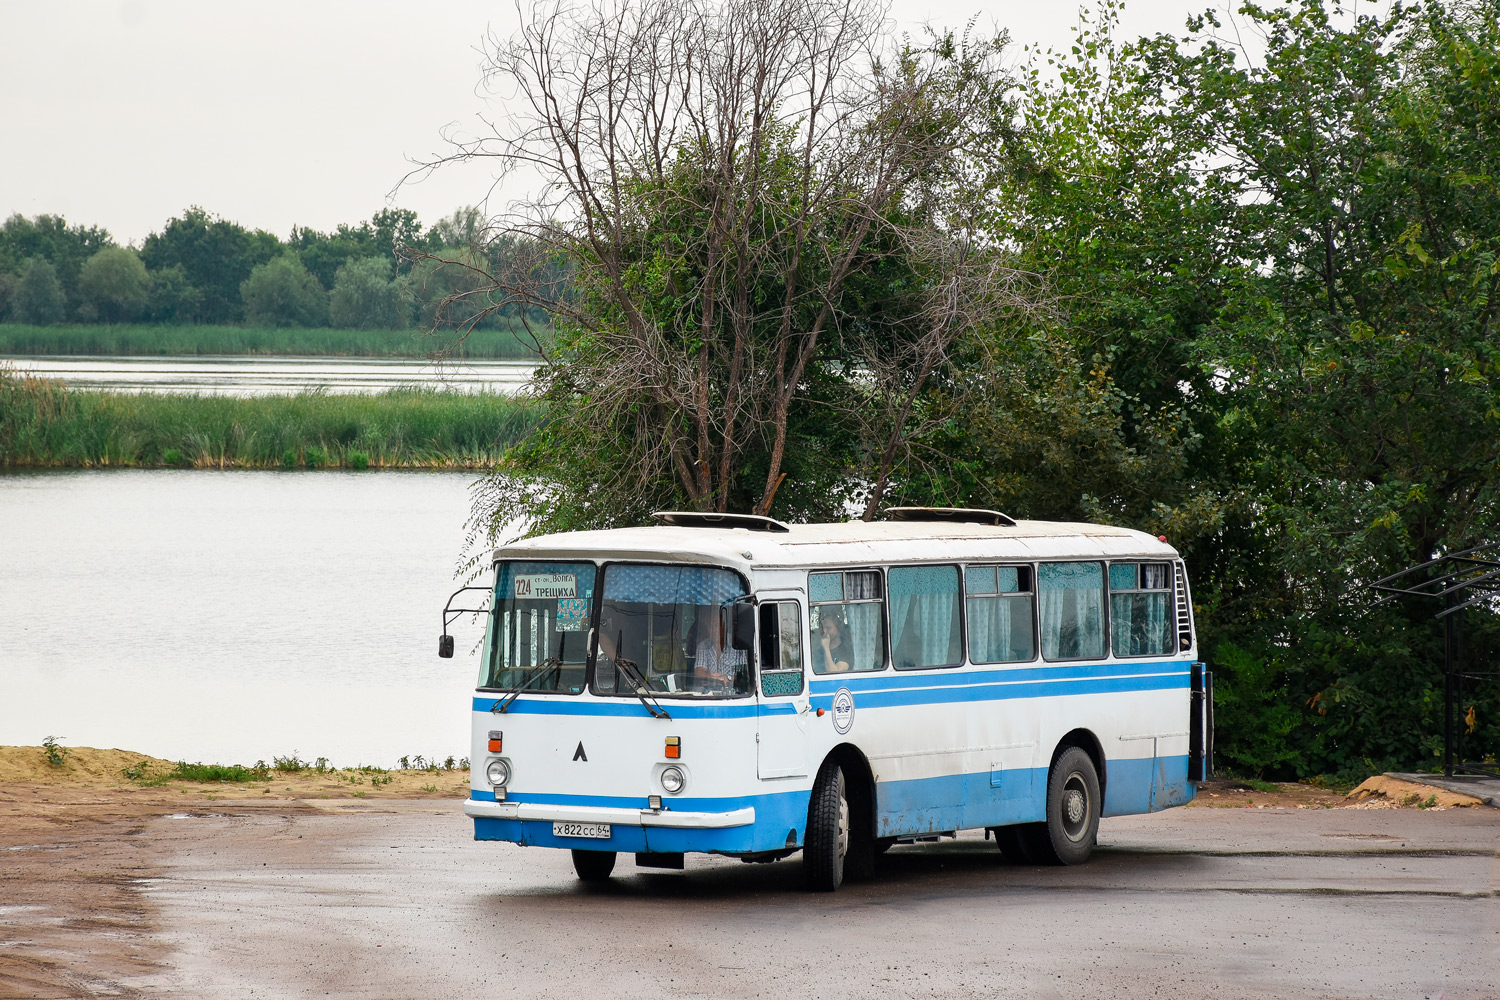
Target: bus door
782,698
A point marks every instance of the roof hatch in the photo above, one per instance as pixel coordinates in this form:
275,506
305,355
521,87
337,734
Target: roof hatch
966,515
699,519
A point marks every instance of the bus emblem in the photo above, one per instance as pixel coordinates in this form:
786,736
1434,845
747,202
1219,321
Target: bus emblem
579,754
843,711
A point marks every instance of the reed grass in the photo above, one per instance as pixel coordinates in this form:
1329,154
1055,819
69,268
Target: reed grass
45,425
18,339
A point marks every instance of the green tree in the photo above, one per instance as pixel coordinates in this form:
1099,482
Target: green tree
172,298
364,297
216,255
282,292
50,237
113,285
1275,289
757,289
39,295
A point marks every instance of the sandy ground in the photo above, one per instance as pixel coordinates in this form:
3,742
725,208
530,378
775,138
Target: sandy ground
83,851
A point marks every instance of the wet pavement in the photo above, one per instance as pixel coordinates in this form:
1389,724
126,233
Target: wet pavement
382,900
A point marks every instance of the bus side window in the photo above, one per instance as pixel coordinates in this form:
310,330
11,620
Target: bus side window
924,617
1072,610
848,621
1001,624
1140,608
780,649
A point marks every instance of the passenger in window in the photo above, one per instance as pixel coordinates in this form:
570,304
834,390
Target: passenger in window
714,665
833,644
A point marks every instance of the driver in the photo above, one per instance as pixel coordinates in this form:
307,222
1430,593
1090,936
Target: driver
713,661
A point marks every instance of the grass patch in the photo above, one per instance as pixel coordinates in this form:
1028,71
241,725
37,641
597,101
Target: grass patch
43,424
144,774
1257,785
191,340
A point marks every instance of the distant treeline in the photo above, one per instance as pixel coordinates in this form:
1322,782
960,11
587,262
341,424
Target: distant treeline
43,424
201,269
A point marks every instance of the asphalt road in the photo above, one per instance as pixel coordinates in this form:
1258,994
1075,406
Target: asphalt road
370,903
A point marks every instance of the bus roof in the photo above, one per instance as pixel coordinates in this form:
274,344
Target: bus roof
847,543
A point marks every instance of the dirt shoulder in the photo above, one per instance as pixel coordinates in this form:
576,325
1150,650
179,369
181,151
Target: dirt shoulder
1380,792
75,921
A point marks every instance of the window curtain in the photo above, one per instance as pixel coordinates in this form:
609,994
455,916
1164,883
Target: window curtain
866,635
1072,610
924,616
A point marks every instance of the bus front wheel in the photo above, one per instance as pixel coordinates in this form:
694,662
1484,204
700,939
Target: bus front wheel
827,842
593,866
1072,826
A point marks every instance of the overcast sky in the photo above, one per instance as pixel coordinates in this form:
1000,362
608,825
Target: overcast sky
279,113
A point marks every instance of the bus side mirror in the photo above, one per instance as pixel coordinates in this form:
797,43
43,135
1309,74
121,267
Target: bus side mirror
744,626
445,646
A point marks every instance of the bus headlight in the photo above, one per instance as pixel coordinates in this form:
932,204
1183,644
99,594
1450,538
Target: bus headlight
498,771
672,780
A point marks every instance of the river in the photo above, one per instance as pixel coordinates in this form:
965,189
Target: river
261,376
234,616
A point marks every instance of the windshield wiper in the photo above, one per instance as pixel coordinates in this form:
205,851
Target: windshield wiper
553,665
652,705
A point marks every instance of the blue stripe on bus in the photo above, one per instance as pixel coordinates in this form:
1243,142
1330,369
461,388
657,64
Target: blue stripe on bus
885,690
1005,692
882,681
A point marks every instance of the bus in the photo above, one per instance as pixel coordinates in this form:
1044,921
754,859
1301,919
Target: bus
734,685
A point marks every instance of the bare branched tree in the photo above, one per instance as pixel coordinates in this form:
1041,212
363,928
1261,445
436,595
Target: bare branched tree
736,201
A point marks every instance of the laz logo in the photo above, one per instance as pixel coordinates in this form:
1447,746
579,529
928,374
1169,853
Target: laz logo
579,754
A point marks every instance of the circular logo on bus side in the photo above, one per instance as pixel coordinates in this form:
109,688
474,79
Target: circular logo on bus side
843,711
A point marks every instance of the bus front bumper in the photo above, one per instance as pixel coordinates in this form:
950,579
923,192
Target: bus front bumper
670,818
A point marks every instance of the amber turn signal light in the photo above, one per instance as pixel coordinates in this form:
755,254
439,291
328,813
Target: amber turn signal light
674,748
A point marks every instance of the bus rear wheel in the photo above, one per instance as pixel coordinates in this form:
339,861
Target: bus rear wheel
827,843
1015,843
593,866
1072,826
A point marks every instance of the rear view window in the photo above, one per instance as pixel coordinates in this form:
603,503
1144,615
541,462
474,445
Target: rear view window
1140,601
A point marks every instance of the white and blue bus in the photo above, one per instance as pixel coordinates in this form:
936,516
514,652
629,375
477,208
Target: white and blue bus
733,685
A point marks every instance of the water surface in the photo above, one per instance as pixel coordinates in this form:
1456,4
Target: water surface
233,616
261,376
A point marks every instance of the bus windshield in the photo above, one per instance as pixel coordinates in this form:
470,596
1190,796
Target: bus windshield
665,630
541,626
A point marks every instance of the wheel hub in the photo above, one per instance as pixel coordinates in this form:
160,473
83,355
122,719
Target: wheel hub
1073,804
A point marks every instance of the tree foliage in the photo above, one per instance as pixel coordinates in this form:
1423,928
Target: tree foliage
765,222
38,298
282,292
365,298
114,286
1276,281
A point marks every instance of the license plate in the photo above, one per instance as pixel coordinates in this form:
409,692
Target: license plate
597,831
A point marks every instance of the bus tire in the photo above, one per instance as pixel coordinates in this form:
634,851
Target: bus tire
593,866
1073,806
827,842
1015,843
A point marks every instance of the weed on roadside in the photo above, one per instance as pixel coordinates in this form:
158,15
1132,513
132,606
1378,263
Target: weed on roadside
143,774
57,754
